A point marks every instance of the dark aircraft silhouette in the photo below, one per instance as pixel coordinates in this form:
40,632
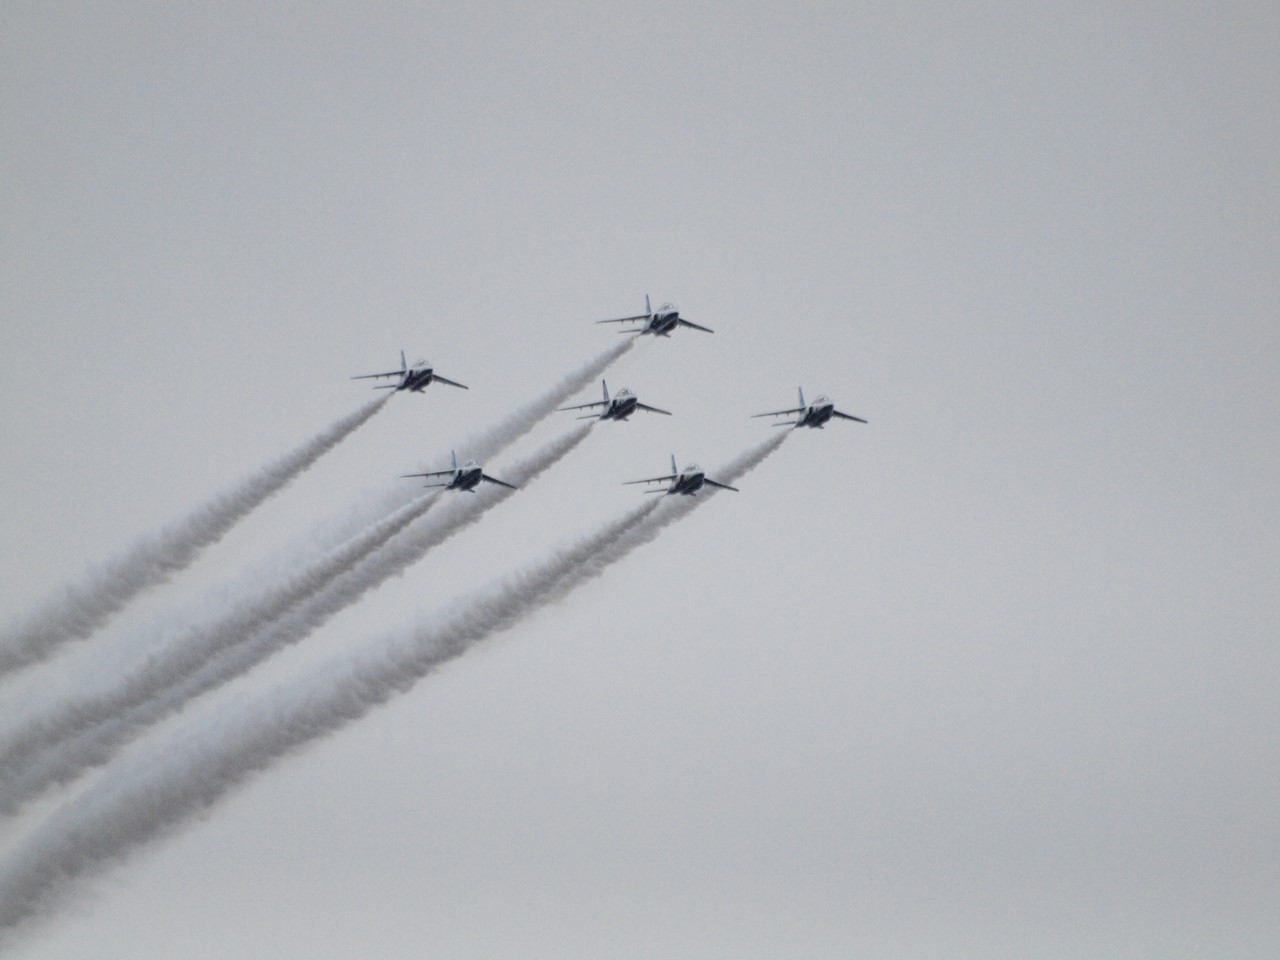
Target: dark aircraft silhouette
619,407
466,477
414,379
658,322
814,414
687,481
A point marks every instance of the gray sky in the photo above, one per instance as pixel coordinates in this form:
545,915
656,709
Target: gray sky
992,676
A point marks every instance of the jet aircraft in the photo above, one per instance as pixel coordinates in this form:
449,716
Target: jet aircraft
619,407
414,379
466,477
658,322
687,481
814,414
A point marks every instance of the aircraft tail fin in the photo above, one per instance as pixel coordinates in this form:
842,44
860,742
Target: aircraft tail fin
675,471
453,455
802,403
606,390
403,366
647,309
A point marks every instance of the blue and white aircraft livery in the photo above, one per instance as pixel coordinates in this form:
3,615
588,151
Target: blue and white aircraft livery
414,379
466,477
659,322
622,405
687,481
814,414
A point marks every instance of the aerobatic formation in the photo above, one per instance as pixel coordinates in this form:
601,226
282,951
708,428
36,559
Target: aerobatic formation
64,733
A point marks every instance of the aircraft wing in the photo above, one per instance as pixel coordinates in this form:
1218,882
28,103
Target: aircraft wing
452,383
501,483
434,473
645,406
584,406
686,323
368,376
651,480
642,316
845,416
779,413
723,486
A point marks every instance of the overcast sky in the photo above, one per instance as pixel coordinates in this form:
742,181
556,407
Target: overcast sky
993,675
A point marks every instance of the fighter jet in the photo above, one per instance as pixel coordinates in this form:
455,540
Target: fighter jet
467,477
814,414
659,322
622,405
687,481
414,379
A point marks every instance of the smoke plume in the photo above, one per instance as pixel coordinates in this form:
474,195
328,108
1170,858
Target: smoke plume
30,759
92,733
138,802
82,609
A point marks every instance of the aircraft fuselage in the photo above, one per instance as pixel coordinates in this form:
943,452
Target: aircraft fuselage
466,478
687,483
816,415
662,323
417,379
620,407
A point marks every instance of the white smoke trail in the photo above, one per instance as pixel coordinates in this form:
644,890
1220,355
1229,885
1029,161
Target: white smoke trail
510,429
82,609
681,507
139,802
91,733
171,664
